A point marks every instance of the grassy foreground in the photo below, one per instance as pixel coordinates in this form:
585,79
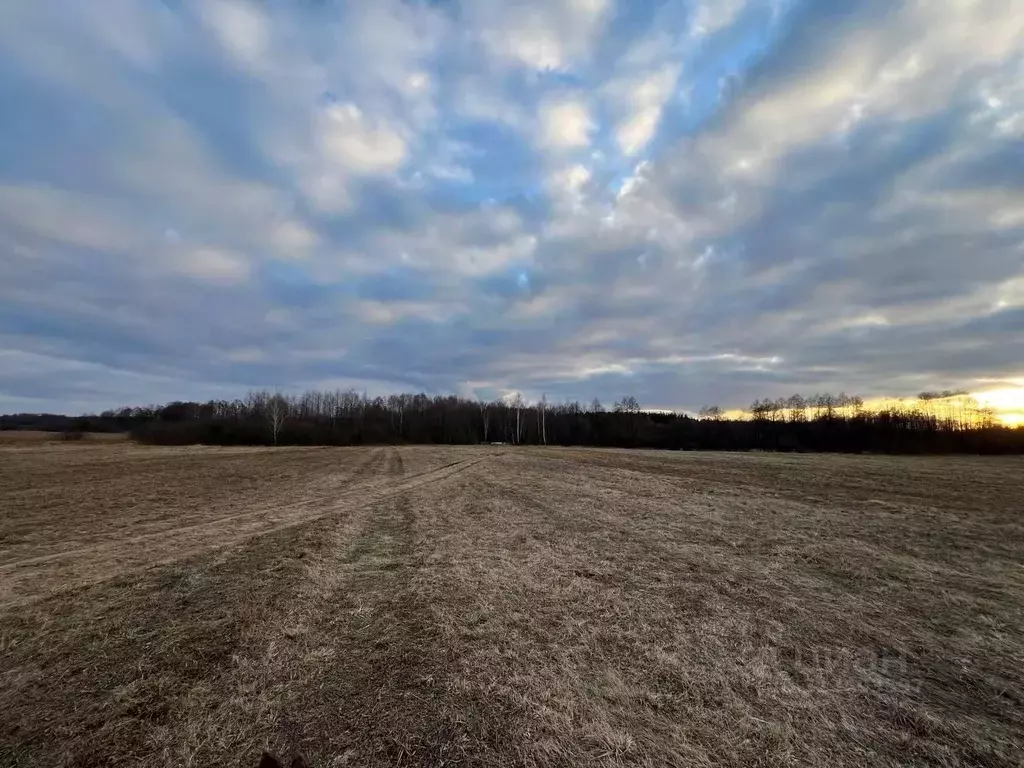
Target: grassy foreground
497,606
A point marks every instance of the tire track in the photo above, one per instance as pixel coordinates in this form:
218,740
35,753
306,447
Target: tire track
419,477
360,470
377,697
34,579
372,466
396,466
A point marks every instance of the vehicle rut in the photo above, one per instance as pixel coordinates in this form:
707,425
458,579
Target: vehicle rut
33,579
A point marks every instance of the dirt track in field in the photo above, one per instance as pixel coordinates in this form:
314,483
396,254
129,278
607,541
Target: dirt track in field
501,606
355,478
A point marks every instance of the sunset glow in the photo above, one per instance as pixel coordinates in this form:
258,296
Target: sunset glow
1008,404
1005,404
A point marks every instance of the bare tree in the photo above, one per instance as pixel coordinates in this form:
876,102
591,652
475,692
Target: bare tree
711,413
484,408
797,407
517,403
396,407
628,404
350,417
277,412
759,409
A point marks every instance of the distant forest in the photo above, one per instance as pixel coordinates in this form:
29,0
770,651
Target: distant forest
942,422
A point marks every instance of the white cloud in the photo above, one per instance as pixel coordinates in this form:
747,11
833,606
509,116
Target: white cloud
328,192
482,260
477,99
293,239
904,71
540,34
565,124
645,78
633,181
347,143
389,313
566,185
215,266
644,99
532,43
242,29
709,17
452,172
355,142
72,219
387,46
473,243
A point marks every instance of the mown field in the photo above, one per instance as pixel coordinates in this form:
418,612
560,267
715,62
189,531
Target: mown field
498,606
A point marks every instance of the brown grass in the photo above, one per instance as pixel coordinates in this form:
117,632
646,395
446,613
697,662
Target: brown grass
499,606
26,436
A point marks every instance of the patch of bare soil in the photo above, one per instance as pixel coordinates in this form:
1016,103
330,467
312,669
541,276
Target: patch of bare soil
503,606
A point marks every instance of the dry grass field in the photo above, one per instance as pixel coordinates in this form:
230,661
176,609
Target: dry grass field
10,437
497,606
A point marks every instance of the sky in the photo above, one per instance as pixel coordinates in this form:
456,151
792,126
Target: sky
695,202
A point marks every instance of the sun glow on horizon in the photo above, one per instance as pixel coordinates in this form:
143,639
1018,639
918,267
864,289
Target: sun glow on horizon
1006,402
1004,405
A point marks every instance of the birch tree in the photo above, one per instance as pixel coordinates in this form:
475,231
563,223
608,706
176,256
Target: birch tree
485,416
517,403
277,412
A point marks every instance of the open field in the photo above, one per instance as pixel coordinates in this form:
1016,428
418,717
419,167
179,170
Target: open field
497,606
26,436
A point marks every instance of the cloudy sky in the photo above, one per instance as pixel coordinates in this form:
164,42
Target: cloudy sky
692,202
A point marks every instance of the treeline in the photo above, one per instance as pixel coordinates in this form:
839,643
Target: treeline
817,423
952,410
55,422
